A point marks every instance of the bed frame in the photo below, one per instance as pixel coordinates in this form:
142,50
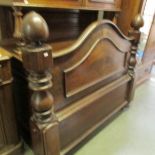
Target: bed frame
79,88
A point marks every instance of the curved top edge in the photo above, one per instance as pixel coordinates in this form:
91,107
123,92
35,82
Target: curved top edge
85,35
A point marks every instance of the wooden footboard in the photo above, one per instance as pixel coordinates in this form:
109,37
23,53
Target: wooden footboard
85,115
77,89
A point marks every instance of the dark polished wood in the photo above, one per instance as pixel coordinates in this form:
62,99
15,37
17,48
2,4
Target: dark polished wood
10,143
65,25
6,23
44,124
98,65
77,80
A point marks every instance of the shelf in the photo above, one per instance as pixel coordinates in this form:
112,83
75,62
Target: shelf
59,4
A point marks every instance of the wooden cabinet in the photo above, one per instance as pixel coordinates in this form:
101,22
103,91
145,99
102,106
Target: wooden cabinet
107,5
56,3
9,139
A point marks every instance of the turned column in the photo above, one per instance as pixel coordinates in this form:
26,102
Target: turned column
17,23
37,60
135,33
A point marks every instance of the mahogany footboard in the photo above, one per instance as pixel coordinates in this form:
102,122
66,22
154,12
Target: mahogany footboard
77,89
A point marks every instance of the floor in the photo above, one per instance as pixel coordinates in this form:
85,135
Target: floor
131,133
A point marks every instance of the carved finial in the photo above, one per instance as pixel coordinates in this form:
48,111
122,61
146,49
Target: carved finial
137,22
35,28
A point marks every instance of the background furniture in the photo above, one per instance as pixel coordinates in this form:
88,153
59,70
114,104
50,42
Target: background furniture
68,18
10,143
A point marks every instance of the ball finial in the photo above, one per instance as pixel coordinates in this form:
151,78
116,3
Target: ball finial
137,22
35,28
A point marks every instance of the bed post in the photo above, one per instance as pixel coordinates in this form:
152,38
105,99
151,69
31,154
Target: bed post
135,33
37,60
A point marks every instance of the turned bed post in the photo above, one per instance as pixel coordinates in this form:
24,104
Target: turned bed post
37,60
135,33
